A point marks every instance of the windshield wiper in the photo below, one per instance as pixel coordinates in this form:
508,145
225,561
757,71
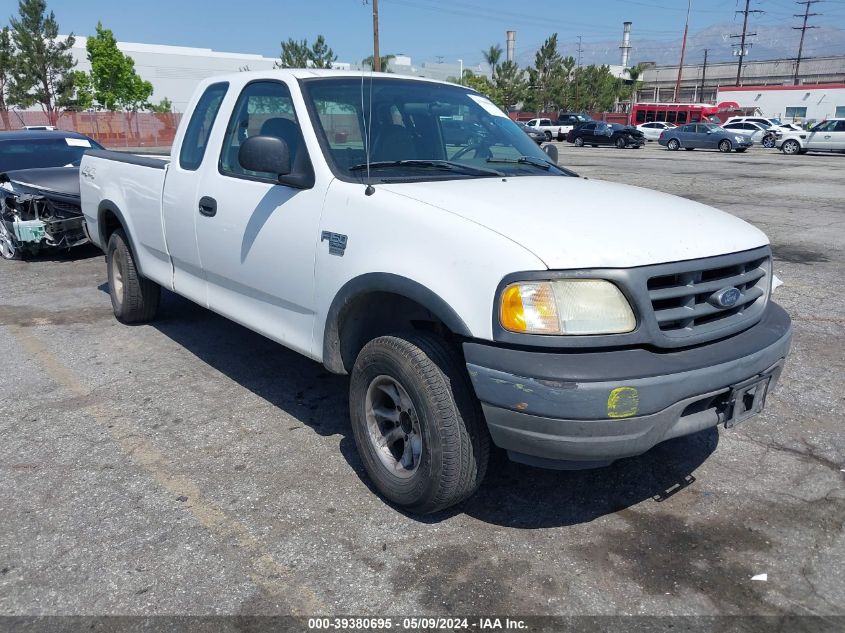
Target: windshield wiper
524,160
445,165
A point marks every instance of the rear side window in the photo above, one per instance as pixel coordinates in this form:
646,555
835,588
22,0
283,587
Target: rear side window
199,127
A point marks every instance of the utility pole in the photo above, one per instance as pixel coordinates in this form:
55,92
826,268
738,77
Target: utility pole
683,50
577,78
376,58
745,33
803,28
704,72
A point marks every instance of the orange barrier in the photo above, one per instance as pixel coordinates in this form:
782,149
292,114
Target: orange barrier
110,129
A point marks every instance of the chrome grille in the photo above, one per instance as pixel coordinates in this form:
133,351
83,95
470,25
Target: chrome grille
682,301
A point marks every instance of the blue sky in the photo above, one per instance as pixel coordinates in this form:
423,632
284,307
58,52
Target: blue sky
423,29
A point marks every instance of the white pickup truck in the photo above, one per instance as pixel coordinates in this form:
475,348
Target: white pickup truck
466,301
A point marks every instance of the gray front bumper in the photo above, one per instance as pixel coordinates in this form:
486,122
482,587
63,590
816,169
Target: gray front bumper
599,406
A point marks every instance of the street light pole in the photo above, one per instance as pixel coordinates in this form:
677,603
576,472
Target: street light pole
461,76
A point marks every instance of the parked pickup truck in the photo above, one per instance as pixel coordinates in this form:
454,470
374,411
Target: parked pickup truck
552,129
467,303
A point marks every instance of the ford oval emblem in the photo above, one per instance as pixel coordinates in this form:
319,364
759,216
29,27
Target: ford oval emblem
725,298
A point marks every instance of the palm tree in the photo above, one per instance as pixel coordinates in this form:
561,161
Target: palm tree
384,60
492,56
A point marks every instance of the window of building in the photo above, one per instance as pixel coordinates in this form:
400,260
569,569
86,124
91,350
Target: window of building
840,112
796,113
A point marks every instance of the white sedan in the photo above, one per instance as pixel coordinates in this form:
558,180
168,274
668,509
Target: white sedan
653,129
758,133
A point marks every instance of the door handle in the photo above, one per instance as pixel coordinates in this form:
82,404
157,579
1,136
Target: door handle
208,206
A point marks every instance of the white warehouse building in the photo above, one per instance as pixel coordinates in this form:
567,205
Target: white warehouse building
806,102
174,71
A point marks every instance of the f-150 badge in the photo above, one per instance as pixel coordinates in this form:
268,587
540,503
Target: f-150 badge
337,242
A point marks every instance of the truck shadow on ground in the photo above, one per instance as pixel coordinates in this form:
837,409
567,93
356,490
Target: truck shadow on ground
78,253
512,495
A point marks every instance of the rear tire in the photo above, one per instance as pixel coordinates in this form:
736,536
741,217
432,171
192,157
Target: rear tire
769,141
673,144
134,299
725,146
413,389
578,142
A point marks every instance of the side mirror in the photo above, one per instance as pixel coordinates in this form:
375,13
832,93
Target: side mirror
551,151
268,154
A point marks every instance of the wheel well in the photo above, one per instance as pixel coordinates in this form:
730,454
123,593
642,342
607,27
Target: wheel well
109,223
373,314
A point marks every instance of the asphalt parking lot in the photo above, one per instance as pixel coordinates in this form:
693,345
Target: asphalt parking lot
191,466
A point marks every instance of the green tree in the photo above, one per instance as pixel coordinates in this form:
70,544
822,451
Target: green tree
43,70
163,106
300,55
7,59
546,74
384,62
510,83
493,56
321,55
113,81
294,54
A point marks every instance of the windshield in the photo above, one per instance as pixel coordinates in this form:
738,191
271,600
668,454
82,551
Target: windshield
43,152
417,130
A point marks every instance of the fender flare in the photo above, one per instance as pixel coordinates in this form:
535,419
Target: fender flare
110,207
382,282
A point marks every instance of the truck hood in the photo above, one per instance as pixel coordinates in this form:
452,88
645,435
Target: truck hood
580,223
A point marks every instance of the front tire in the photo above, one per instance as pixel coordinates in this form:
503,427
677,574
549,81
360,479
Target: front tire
134,298
620,143
548,136
673,144
725,146
791,147
417,425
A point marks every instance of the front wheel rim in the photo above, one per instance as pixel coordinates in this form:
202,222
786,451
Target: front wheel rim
790,147
7,247
117,279
393,426
725,146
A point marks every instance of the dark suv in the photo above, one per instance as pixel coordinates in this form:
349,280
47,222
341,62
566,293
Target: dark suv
598,133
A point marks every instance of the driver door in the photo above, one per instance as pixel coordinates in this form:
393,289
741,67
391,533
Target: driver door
256,237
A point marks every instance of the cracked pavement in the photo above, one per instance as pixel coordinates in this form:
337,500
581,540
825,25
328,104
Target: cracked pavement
191,466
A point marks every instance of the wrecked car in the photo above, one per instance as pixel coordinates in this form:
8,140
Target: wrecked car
39,191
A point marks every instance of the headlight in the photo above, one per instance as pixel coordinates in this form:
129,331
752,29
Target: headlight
739,139
566,306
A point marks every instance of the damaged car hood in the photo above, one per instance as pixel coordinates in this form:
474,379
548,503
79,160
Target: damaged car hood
53,182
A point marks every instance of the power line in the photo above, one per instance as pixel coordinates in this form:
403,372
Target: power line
803,28
742,50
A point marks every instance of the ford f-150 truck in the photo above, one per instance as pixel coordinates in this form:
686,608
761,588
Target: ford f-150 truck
473,293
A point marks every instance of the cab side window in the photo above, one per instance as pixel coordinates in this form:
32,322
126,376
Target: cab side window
264,108
199,127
